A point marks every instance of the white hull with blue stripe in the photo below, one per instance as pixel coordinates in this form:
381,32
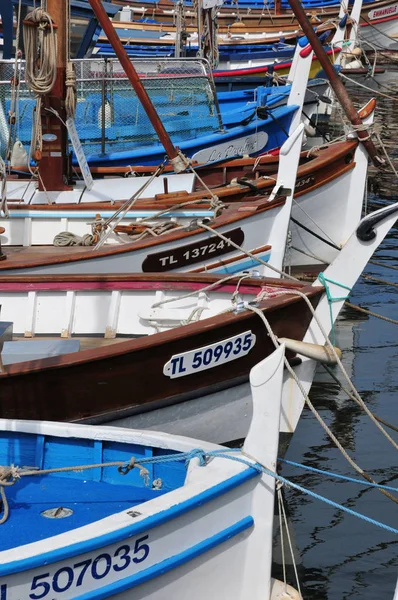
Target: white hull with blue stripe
186,526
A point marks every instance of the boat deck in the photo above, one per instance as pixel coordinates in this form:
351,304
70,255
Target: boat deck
90,501
90,494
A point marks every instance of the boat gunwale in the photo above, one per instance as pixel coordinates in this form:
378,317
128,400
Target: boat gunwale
158,339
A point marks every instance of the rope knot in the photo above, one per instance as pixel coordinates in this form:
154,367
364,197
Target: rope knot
198,453
9,475
124,469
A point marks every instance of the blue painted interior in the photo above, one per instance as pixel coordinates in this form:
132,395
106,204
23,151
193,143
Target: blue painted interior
92,494
189,117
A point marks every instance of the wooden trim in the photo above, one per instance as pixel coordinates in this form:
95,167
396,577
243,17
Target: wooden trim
228,261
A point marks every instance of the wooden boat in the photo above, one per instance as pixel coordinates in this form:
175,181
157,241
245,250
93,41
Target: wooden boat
154,527
378,20
338,171
179,377
164,11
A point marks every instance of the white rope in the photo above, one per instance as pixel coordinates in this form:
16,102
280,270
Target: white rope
282,512
204,289
40,41
275,341
70,84
250,254
121,212
339,363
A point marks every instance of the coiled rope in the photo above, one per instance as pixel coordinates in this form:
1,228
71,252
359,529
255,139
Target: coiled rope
40,41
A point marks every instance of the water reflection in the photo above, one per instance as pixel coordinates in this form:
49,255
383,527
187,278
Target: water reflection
341,556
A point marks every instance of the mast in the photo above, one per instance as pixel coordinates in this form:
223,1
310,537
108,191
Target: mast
53,165
335,82
107,25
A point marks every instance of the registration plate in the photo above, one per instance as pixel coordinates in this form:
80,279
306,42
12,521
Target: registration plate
210,356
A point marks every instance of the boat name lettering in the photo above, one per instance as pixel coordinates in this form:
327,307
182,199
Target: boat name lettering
302,182
181,256
210,356
231,151
250,144
68,577
379,13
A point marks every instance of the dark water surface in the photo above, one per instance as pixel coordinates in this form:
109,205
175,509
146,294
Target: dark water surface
343,557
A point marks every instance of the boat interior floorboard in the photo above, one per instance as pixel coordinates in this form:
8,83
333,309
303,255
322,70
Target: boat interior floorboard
89,501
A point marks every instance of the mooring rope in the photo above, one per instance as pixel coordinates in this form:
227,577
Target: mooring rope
14,474
371,313
328,431
247,252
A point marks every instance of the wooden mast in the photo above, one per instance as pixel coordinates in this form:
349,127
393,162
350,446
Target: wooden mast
335,81
107,26
53,165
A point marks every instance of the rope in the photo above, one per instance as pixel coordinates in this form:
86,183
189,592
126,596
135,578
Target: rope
338,361
368,88
10,475
40,41
41,52
262,469
308,401
126,206
250,254
70,83
15,90
211,286
380,264
67,238
3,177
282,512
371,313
319,237
381,281
324,281
337,475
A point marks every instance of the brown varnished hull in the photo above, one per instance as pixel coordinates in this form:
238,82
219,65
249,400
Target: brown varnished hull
255,16
316,169
109,382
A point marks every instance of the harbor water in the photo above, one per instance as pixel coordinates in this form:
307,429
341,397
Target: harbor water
340,556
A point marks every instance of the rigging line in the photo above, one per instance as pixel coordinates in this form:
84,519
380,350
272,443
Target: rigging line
319,237
368,88
310,255
378,30
324,136
250,254
120,213
289,539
